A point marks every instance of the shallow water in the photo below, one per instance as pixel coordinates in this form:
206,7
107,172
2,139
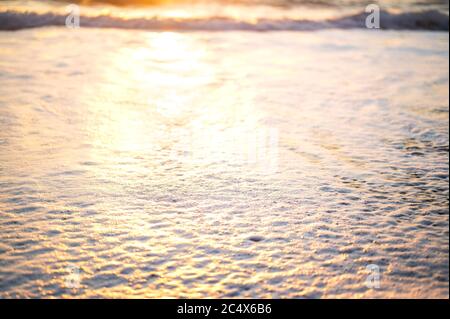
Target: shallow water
223,164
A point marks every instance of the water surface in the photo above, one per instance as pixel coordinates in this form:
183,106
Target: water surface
236,164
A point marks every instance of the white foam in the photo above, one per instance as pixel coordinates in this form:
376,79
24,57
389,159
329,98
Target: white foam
428,20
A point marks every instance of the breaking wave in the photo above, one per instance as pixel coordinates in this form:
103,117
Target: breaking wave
428,20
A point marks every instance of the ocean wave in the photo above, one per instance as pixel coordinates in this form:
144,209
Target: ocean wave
428,20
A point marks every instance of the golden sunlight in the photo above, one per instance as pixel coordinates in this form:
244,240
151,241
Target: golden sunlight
221,149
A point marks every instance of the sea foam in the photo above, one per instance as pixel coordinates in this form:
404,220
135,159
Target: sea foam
427,20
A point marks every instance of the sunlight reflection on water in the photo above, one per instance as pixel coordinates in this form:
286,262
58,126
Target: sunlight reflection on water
141,158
